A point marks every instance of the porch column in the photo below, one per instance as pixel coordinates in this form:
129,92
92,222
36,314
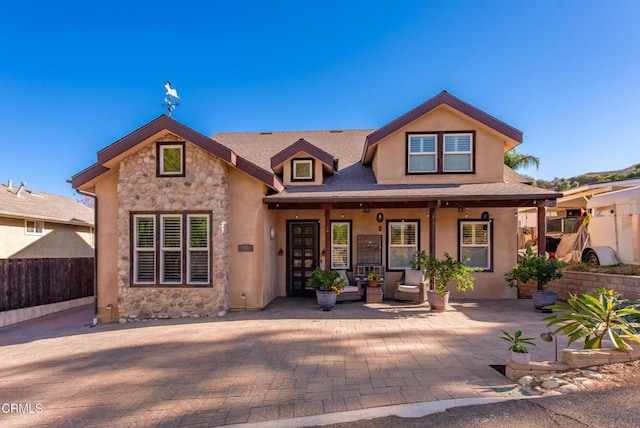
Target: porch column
432,231
327,237
542,229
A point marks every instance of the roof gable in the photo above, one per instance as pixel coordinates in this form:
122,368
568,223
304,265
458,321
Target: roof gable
442,98
165,122
302,145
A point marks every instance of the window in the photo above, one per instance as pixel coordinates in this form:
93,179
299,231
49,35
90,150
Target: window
302,170
457,153
422,153
179,254
440,152
340,245
402,239
475,243
33,227
170,159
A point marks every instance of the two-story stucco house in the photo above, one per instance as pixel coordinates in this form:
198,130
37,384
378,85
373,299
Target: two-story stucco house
190,225
37,225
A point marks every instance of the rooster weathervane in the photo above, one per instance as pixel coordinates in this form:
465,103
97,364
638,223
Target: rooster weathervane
169,97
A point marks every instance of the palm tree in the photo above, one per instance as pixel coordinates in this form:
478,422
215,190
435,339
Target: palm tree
515,160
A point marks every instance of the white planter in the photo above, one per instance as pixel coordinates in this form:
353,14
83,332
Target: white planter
520,358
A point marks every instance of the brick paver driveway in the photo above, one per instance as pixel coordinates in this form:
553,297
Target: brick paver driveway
287,361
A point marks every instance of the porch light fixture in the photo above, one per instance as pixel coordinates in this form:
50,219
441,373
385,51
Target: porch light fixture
342,214
272,232
296,214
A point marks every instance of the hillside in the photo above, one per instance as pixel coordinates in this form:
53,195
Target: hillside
560,184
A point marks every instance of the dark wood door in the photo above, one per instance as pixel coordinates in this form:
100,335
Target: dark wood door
302,256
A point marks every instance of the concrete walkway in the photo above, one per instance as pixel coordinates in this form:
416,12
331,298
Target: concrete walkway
289,361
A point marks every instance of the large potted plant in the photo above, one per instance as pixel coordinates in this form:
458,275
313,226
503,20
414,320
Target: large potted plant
538,267
441,272
519,353
373,279
328,284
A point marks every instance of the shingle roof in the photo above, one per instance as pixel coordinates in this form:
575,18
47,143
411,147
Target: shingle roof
260,147
43,206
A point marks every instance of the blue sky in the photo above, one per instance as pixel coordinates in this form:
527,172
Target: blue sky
77,76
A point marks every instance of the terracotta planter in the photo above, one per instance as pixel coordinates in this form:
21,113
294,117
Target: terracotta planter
542,298
520,358
326,299
372,283
436,302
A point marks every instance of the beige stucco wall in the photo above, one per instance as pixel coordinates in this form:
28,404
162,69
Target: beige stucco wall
487,284
389,162
107,250
57,241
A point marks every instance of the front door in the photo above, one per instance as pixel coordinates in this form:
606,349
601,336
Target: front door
302,256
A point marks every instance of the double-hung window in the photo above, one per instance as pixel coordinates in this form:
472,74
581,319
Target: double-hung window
171,249
402,238
423,153
33,227
340,245
457,153
475,243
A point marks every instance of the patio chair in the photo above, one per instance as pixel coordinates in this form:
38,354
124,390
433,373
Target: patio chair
350,292
412,286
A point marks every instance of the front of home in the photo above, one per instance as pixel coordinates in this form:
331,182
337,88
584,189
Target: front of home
194,226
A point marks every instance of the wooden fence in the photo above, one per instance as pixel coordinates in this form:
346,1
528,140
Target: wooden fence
32,282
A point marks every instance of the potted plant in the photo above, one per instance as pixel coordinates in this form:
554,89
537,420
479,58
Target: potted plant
440,273
538,267
328,284
519,353
373,279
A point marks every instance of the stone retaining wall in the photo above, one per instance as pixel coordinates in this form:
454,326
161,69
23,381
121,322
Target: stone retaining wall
571,359
204,188
583,282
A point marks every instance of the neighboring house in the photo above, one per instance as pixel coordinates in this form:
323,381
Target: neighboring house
37,225
192,226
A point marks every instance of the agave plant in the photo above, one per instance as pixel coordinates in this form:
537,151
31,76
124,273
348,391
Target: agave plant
594,316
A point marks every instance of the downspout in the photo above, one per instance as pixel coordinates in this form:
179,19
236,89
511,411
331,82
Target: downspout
95,254
432,227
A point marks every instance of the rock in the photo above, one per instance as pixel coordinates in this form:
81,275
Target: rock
527,390
551,392
592,375
569,388
525,380
550,384
122,321
580,379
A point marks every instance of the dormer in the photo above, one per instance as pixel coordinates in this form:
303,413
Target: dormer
444,140
303,164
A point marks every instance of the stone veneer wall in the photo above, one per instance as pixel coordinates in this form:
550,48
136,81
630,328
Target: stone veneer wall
203,188
583,282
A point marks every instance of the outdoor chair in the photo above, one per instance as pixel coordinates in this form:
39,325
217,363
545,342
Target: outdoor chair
412,286
350,292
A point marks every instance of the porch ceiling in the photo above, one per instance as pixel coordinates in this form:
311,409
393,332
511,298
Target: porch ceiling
376,204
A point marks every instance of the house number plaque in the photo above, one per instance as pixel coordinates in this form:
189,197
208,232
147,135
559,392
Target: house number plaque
245,248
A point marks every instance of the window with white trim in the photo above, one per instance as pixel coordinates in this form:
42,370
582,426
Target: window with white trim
302,169
340,245
475,243
422,153
170,159
33,227
402,243
457,153
177,254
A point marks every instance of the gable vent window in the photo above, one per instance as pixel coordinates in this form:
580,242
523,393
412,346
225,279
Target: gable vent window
302,170
422,153
457,153
170,160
